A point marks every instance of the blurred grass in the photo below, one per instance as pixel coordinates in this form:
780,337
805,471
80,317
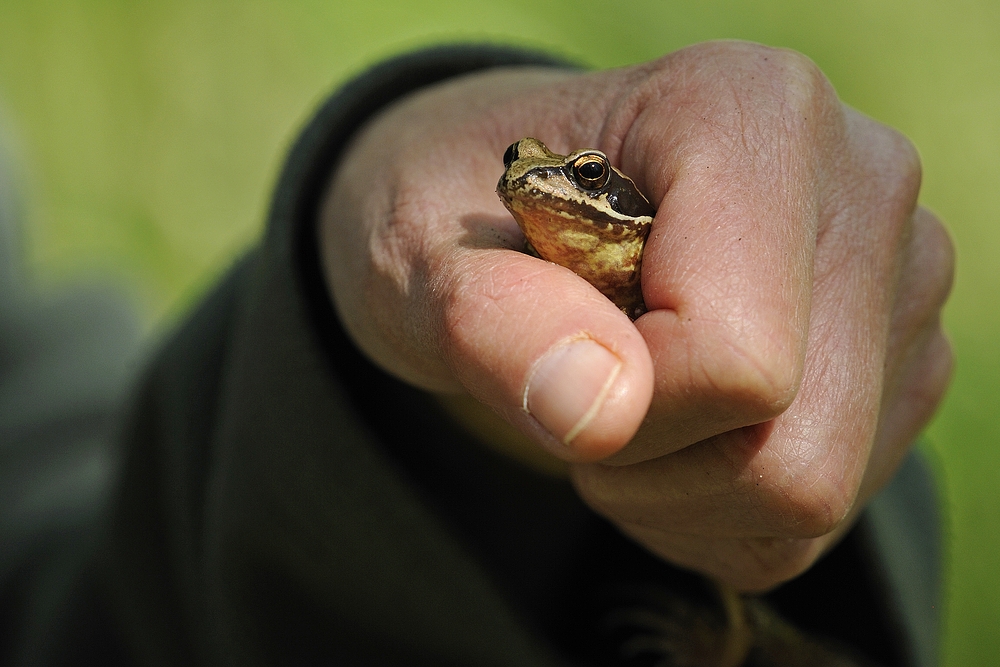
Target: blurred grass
151,134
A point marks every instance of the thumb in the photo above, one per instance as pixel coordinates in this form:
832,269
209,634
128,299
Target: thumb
546,350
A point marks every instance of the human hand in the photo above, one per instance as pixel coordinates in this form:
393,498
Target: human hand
793,347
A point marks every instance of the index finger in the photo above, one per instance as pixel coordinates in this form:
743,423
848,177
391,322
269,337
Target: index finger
734,157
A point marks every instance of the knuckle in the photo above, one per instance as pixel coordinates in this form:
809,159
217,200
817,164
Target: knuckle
799,70
903,169
818,512
888,171
804,88
933,370
808,503
814,518
927,277
744,67
758,376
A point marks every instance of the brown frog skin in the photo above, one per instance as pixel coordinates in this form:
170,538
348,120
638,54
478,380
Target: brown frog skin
580,212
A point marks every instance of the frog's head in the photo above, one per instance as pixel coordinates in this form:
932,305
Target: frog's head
580,212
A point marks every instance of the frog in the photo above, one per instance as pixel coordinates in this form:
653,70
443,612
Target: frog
581,212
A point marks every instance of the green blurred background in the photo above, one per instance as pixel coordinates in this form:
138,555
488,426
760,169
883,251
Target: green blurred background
150,134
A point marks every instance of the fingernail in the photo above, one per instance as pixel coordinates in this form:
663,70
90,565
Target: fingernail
568,386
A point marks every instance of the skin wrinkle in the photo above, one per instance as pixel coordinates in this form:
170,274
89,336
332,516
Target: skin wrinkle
458,317
749,124
665,86
648,516
425,279
390,258
844,484
737,324
581,128
799,468
747,476
420,281
402,233
807,459
389,272
779,389
908,183
737,97
554,85
718,308
499,290
777,402
807,473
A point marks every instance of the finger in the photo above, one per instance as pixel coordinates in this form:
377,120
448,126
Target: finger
916,395
925,282
798,475
727,271
919,360
755,564
579,382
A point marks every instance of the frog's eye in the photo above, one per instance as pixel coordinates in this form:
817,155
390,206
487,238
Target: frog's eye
591,171
510,154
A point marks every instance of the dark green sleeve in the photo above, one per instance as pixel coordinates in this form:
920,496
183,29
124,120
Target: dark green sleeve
259,521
